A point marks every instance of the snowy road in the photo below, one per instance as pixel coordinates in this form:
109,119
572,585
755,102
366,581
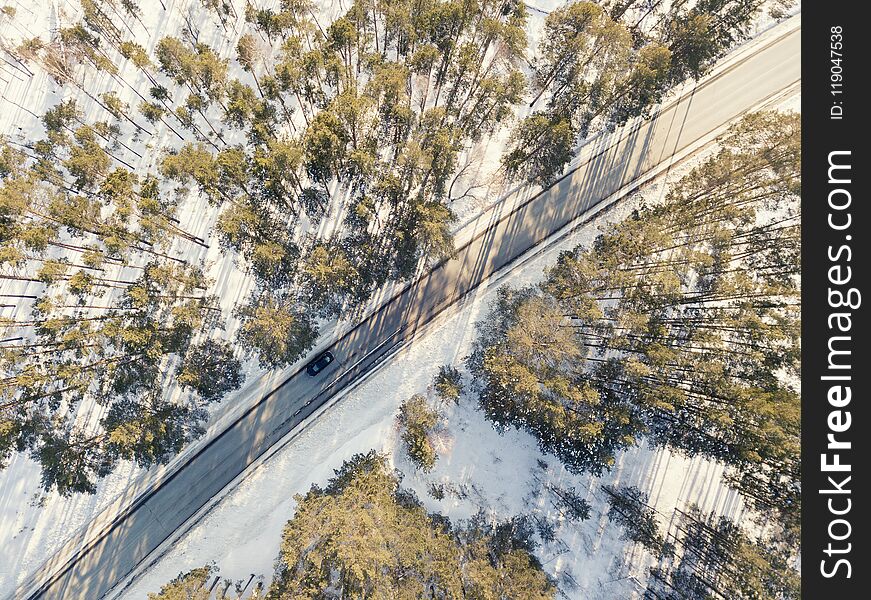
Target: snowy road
120,541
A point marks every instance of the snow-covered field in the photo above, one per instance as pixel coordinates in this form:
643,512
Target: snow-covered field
33,524
479,469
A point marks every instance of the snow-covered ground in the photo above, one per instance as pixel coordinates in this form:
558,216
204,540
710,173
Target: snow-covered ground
479,469
33,525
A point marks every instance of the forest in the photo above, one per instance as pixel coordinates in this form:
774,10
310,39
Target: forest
678,327
318,156
313,154
327,149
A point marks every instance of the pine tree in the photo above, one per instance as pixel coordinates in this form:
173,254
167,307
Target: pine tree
211,370
530,370
541,147
374,107
361,534
193,585
448,383
598,66
275,330
204,583
418,422
697,36
329,280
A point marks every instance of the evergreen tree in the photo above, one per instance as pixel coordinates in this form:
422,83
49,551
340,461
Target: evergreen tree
418,422
541,147
374,108
530,374
111,313
203,584
329,281
697,36
275,330
598,66
448,383
211,370
362,535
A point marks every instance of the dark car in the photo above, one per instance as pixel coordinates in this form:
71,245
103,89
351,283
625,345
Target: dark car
320,362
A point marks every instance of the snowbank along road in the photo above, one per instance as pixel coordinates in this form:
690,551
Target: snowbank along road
96,559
